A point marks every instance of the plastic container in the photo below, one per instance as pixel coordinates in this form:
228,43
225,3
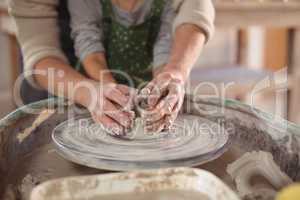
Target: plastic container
166,184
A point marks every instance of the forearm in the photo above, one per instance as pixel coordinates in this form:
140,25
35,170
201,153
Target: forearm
37,32
200,13
96,68
187,45
58,78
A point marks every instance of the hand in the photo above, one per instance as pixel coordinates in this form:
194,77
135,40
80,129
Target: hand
165,95
111,105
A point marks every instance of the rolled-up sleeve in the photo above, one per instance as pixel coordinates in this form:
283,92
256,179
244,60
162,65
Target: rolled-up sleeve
86,22
197,12
37,32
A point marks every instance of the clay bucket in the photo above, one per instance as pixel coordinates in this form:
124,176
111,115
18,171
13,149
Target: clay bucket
27,157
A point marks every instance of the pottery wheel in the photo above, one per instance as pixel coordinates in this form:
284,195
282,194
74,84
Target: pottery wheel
191,141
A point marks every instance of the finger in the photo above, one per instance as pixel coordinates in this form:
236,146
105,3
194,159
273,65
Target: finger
119,116
151,116
176,92
146,91
156,127
148,88
131,114
162,109
128,92
169,120
157,92
142,97
179,104
109,125
124,89
141,103
117,97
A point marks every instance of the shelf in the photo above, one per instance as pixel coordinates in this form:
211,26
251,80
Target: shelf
245,13
257,5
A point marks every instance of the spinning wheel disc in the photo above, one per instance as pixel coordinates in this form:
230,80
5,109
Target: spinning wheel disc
191,141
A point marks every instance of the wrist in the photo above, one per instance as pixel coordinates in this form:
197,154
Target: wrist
82,92
176,71
85,92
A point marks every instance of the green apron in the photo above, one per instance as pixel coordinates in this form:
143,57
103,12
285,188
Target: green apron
130,49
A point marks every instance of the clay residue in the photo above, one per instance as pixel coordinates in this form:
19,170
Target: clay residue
43,116
258,140
264,195
28,183
257,171
166,173
151,186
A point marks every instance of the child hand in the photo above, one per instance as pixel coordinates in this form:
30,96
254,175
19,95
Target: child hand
112,105
165,97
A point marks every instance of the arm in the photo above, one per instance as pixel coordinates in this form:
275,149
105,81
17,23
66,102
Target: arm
38,35
100,99
200,13
188,44
193,26
37,32
86,23
195,17
46,66
186,49
56,76
96,67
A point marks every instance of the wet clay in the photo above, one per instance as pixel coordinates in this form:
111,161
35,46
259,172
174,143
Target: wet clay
87,143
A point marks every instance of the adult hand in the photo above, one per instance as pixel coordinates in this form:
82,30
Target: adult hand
111,105
165,97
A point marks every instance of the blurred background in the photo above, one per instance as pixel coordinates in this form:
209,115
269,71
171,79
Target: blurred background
254,53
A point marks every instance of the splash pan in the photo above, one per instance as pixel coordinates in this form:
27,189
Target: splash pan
191,141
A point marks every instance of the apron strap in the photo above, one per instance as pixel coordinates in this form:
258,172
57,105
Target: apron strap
107,9
157,9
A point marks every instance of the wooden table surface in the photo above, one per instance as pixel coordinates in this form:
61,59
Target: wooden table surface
245,13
